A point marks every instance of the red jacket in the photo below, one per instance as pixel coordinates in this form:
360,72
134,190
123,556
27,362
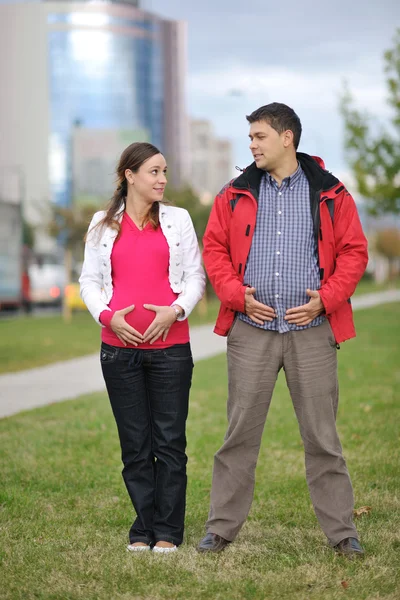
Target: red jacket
342,246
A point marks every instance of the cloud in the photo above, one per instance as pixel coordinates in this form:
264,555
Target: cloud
294,52
312,90
313,95
303,34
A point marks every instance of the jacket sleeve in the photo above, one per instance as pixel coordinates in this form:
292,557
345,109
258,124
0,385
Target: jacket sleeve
91,279
193,273
217,259
351,254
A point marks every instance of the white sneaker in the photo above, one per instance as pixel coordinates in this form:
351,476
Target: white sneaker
162,550
132,548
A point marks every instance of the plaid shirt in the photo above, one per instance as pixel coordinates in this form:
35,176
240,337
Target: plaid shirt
282,262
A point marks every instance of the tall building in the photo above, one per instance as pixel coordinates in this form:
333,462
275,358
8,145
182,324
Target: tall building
80,81
211,160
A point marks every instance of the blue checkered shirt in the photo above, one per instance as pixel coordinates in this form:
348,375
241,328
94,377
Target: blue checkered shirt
282,261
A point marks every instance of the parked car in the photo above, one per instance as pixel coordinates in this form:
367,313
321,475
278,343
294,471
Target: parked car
47,281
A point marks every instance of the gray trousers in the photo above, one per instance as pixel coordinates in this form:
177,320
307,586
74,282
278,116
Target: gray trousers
308,357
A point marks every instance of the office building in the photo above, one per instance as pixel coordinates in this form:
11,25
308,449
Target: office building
80,81
211,160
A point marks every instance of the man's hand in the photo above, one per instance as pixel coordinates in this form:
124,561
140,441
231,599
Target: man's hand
165,317
123,331
303,315
258,312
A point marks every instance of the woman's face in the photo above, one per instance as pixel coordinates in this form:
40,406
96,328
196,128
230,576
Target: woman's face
150,180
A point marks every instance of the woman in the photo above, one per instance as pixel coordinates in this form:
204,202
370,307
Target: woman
141,278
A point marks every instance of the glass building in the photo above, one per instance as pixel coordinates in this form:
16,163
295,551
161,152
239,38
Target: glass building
105,72
87,79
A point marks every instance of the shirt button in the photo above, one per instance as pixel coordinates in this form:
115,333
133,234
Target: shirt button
279,212
279,232
291,188
276,295
278,252
277,274
279,193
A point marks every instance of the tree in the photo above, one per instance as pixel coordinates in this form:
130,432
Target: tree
374,156
387,243
28,234
187,198
69,226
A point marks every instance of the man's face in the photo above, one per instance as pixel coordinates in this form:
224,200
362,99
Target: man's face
267,145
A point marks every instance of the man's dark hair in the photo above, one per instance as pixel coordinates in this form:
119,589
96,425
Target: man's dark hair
280,117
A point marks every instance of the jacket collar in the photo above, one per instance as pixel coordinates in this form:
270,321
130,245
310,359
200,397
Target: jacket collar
318,177
164,215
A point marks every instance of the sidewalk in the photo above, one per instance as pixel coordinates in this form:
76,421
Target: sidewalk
66,380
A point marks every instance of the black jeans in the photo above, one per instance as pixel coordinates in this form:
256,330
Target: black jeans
149,395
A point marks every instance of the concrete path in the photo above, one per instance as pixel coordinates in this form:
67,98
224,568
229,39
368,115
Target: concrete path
65,380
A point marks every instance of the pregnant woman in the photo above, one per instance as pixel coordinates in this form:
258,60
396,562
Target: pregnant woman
141,278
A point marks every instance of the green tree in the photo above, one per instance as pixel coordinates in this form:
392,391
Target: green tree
69,226
187,198
373,150
28,234
387,244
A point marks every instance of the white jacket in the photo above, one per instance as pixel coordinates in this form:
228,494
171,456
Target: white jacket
186,274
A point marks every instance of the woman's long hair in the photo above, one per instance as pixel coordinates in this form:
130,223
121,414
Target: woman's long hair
132,158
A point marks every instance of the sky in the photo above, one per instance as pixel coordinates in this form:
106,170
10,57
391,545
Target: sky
243,54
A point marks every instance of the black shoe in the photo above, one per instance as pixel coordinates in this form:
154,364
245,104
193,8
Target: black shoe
212,543
349,547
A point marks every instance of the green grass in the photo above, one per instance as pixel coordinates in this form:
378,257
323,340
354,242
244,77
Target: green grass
367,286
64,510
28,342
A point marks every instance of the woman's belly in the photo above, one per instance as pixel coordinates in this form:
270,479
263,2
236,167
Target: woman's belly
141,318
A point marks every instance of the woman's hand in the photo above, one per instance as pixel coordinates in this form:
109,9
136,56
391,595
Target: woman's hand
123,331
165,317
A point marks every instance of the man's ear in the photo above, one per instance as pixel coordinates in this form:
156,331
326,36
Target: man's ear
287,138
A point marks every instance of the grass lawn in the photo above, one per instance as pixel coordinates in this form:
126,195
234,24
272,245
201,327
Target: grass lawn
366,286
65,513
28,342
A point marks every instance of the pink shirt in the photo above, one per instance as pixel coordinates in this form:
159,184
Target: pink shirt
140,263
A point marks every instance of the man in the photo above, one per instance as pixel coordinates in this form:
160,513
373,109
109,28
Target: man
284,250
